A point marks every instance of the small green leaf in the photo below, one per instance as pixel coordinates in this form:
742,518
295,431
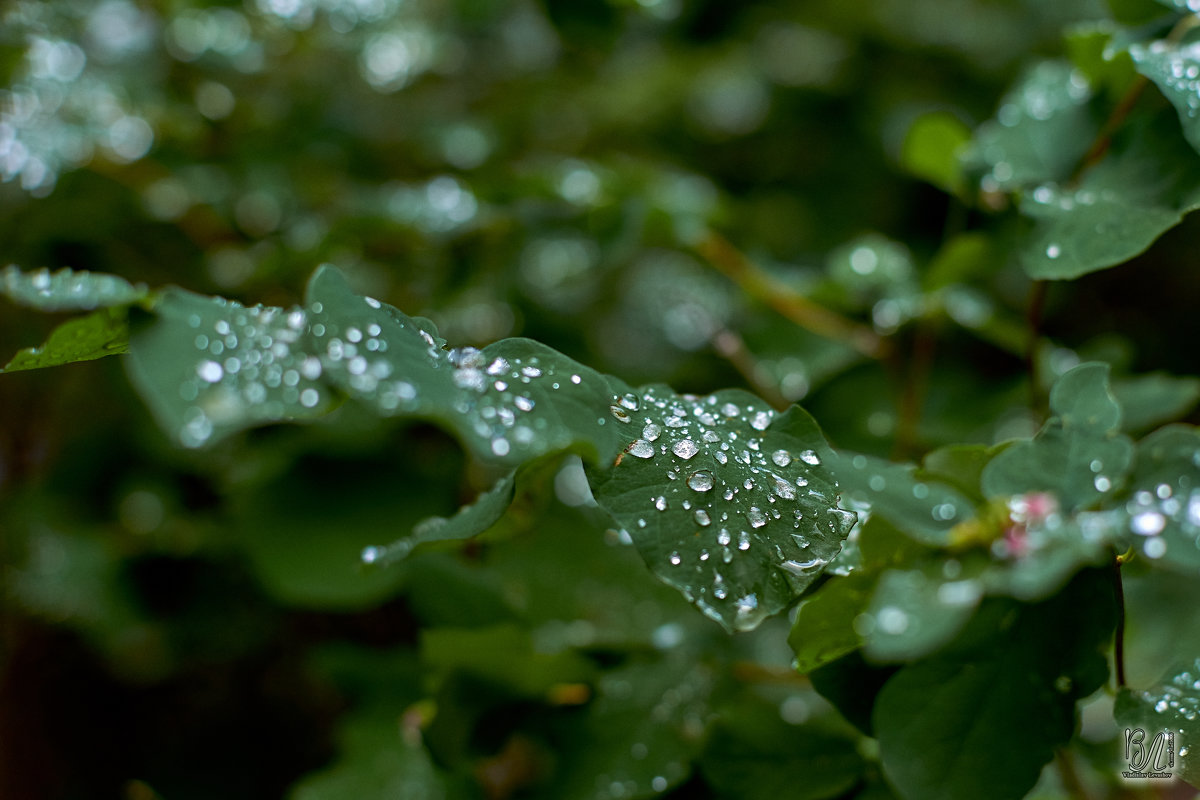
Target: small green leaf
1041,130
1078,455
925,510
915,611
960,466
727,501
1172,706
931,150
1174,66
824,628
1144,187
1155,398
68,289
102,333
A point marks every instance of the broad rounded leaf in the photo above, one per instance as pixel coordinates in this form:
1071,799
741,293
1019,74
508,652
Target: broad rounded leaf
726,500
1172,706
1162,512
102,333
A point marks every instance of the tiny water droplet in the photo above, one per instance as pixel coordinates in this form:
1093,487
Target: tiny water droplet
1053,251
629,401
651,432
723,537
781,458
701,481
702,517
1148,523
370,554
892,620
743,540
660,503
675,559
619,413
210,371
811,458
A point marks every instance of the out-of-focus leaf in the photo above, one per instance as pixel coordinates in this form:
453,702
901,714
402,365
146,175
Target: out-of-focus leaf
102,333
932,147
1152,399
67,289
1089,46
1144,187
1174,66
1172,706
1078,455
964,257
504,655
960,466
1018,680
1041,129
1162,512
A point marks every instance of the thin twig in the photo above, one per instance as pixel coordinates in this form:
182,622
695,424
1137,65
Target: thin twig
1116,119
787,301
730,346
915,386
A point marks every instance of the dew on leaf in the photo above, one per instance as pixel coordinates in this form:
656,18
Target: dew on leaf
675,559
811,458
619,413
743,540
660,503
781,458
702,517
651,432
1147,523
210,371
701,481
629,401
723,537
761,421
685,448
642,449
892,620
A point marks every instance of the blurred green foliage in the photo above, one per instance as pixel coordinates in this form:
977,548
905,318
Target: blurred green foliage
852,206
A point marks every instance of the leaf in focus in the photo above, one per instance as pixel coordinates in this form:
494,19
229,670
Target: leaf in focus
931,150
68,289
102,333
1172,705
1078,454
729,502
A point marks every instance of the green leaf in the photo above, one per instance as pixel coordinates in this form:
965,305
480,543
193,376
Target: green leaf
960,466
962,258
726,500
642,731
67,289
1041,129
1078,455
824,628
1090,45
1139,12
915,611
99,334
1163,508
504,655
931,150
468,521
510,402
208,367
754,755
1174,67
1142,188
1150,400
925,510
946,725
1172,706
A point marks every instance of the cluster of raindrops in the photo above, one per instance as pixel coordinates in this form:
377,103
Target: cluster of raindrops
251,366
66,289
1178,66
735,490
1156,513
1181,696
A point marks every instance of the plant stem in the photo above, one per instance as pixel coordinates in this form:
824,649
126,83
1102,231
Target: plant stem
1119,633
1116,119
915,385
1033,318
786,301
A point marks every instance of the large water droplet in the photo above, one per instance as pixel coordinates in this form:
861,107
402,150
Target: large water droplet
781,458
651,432
660,503
685,448
760,421
802,568
620,414
811,458
701,481
642,449
723,537
629,401
702,517
743,540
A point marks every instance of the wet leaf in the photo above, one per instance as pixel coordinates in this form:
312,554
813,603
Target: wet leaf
726,500
1040,131
1144,187
824,629
68,289
1162,511
1172,706
1078,455
1174,67
99,334
915,611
